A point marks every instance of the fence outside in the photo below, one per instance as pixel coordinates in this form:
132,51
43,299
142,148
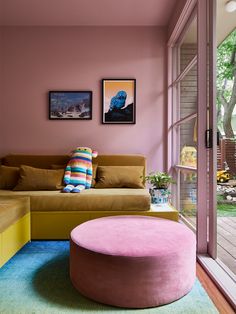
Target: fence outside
226,152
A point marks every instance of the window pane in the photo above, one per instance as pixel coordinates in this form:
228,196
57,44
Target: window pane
188,143
188,195
188,47
188,86
188,93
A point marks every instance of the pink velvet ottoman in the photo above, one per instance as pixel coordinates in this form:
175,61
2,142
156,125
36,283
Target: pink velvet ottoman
132,261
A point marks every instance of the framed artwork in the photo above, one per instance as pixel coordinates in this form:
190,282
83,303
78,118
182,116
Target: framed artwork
70,105
118,101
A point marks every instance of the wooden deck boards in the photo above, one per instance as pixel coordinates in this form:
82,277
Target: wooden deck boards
226,240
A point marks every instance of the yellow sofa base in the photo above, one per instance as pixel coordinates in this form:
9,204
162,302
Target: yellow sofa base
14,238
58,225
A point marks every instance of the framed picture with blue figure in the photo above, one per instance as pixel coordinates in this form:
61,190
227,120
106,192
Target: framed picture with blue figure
70,105
118,101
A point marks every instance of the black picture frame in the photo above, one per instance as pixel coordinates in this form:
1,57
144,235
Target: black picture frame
118,101
70,105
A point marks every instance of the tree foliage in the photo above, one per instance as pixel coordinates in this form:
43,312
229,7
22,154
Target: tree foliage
226,82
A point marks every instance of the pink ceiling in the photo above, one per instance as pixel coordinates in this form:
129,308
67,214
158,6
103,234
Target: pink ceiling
86,12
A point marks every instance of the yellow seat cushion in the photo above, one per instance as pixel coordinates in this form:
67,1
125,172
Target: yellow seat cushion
88,200
11,210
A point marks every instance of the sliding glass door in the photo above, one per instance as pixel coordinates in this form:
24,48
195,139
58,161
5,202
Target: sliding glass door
196,110
191,131
185,121
226,151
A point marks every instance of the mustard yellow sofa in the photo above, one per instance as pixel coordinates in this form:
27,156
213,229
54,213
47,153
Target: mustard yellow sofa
55,214
14,225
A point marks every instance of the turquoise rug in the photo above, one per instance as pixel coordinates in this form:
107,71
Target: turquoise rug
36,280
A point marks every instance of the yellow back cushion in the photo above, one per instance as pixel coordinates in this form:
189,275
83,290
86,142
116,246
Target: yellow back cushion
9,177
119,177
33,179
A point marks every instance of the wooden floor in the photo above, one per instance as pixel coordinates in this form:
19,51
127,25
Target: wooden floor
216,296
226,240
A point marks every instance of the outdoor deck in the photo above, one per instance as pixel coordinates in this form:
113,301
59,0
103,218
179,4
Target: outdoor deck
226,240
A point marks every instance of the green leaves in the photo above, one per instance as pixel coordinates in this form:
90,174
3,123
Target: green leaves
160,180
226,62
226,80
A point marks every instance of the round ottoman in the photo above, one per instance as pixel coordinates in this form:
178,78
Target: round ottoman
132,261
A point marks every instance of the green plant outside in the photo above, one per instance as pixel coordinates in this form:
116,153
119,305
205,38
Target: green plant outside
226,83
223,210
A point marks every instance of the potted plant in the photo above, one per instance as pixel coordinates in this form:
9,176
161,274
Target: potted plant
160,182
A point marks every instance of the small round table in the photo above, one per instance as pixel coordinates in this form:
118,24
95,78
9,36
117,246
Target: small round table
132,261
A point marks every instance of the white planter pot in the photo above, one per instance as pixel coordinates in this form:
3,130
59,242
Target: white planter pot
159,196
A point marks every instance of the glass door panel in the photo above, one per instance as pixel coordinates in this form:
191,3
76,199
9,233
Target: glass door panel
188,195
188,93
187,152
191,91
184,131
188,46
225,119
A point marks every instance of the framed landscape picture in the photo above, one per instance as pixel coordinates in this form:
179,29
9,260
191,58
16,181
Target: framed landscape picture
118,101
70,105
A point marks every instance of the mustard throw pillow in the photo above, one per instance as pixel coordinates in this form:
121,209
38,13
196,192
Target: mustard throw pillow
119,177
8,177
95,166
33,179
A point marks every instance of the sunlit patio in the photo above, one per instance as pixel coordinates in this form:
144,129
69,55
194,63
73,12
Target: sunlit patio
226,241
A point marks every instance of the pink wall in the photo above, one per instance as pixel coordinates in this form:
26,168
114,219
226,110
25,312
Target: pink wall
39,59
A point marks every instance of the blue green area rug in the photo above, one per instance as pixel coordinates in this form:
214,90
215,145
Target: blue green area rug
36,280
